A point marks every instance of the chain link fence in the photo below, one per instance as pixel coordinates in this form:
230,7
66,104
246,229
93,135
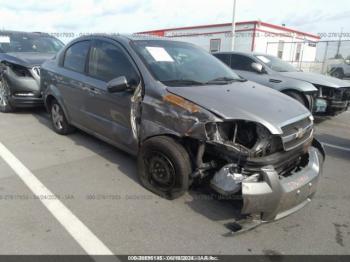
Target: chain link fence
320,57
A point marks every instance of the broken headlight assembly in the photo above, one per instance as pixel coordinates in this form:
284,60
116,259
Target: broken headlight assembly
20,71
246,139
233,144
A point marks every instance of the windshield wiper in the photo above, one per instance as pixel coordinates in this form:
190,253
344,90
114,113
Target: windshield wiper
183,82
225,80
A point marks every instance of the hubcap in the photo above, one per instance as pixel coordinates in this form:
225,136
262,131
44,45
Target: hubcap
57,116
161,170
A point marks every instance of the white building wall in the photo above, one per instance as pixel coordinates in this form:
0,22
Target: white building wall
204,40
266,39
243,41
267,42
202,36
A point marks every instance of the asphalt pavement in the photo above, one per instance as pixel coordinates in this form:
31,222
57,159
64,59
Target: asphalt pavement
100,203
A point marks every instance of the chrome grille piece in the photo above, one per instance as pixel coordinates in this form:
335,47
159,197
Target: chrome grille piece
297,134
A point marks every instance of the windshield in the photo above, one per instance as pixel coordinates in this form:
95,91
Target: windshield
276,64
179,63
29,43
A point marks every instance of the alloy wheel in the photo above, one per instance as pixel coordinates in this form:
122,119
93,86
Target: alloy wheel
336,74
57,116
3,94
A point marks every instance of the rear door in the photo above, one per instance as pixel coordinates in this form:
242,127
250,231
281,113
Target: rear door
110,113
71,80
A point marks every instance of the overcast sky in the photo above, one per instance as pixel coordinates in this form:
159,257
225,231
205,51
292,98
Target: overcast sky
318,16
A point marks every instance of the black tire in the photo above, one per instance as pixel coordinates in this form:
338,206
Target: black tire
5,106
338,73
164,167
59,121
299,97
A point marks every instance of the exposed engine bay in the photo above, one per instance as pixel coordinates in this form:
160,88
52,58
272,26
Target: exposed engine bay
241,153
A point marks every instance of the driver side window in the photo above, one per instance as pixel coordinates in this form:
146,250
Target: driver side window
108,61
240,62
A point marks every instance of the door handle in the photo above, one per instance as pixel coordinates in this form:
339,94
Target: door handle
94,91
275,80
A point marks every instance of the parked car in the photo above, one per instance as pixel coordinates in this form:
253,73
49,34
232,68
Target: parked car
187,117
340,70
322,95
21,55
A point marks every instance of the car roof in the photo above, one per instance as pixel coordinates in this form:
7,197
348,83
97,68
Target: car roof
117,36
10,32
241,53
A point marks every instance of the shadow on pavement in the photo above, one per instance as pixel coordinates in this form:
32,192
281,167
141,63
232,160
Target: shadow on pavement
214,207
126,163
203,200
336,141
321,119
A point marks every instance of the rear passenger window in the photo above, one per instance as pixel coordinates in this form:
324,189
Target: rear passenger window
108,61
240,62
75,56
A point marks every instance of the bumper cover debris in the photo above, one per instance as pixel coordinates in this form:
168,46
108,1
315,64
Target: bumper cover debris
273,197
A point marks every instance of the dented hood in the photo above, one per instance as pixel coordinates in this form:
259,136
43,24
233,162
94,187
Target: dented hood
317,79
26,59
246,101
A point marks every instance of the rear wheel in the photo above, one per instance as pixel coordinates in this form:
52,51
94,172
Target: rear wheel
59,121
299,97
5,105
338,73
164,167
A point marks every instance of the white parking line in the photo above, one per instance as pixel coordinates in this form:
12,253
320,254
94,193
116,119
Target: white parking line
81,233
337,147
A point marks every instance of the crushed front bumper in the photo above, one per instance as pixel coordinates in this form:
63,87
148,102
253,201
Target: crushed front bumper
336,103
24,102
336,107
25,90
276,197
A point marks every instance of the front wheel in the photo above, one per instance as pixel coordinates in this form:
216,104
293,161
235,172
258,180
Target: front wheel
338,73
5,106
164,167
59,121
299,97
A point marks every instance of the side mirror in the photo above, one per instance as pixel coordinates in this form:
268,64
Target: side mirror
119,84
258,68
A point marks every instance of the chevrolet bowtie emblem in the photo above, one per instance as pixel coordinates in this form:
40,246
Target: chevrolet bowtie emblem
300,133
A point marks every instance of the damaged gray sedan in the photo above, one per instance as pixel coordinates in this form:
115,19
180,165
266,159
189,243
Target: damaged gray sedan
187,117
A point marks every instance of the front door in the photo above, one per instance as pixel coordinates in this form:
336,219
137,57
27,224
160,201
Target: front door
243,66
110,113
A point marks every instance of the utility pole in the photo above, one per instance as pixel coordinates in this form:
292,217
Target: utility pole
339,42
233,26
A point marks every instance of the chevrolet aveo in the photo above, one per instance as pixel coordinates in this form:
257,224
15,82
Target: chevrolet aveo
188,117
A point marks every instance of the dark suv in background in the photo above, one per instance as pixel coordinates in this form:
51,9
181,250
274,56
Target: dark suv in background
187,117
322,95
21,55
